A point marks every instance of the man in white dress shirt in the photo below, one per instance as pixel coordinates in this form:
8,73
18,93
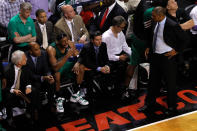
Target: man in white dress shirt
117,48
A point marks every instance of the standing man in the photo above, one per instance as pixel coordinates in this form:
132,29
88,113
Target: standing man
44,29
167,41
117,48
72,25
21,28
8,9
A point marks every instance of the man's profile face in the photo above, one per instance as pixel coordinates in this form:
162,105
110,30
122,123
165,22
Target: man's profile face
64,42
25,13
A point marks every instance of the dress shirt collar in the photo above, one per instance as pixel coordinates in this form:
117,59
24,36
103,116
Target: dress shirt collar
112,6
16,68
68,21
41,26
163,21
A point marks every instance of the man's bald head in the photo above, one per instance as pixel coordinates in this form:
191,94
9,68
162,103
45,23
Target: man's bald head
34,49
68,11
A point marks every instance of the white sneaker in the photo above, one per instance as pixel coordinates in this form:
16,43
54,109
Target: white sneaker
59,104
78,98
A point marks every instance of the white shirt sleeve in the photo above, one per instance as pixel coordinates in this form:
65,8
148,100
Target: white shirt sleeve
110,52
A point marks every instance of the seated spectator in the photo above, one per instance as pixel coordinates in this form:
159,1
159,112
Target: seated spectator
9,8
44,29
117,48
94,59
104,18
72,25
42,79
21,28
19,86
59,54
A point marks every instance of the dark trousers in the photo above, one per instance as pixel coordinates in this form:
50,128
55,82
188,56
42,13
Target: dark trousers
118,69
162,67
44,87
15,101
102,79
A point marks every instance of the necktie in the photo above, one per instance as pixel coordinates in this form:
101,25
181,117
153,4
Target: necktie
97,51
104,18
155,37
45,39
18,80
74,32
35,61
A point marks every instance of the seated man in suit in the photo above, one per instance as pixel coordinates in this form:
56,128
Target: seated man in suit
117,48
19,86
44,29
104,19
72,25
94,59
37,63
59,55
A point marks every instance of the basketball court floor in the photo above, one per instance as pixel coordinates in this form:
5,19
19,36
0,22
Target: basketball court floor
115,114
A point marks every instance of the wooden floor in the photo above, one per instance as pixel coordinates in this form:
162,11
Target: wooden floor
185,122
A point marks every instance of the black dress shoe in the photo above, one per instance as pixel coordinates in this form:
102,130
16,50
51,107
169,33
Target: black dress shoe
171,112
144,108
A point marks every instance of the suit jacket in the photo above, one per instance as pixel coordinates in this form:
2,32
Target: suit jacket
62,27
116,11
40,69
173,35
25,78
87,56
49,30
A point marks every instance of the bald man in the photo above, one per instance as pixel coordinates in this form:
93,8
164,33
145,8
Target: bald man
42,80
72,25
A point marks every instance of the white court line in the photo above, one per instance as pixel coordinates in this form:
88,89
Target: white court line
154,123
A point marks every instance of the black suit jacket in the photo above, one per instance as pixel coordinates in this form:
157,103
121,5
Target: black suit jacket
25,78
87,56
40,69
173,35
116,11
50,33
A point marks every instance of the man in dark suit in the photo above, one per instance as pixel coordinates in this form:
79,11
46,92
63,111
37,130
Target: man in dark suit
165,43
111,10
37,63
18,79
44,29
93,57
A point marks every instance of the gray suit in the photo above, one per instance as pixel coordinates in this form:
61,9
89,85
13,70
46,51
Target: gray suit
62,27
50,33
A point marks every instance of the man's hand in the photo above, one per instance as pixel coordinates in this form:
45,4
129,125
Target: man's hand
105,69
17,92
27,91
82,39
146,53
76,68
123,57
170,54
49,79
70,53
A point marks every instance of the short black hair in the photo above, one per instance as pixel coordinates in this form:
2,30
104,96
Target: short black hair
94,34
60,36
39,11
118,20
